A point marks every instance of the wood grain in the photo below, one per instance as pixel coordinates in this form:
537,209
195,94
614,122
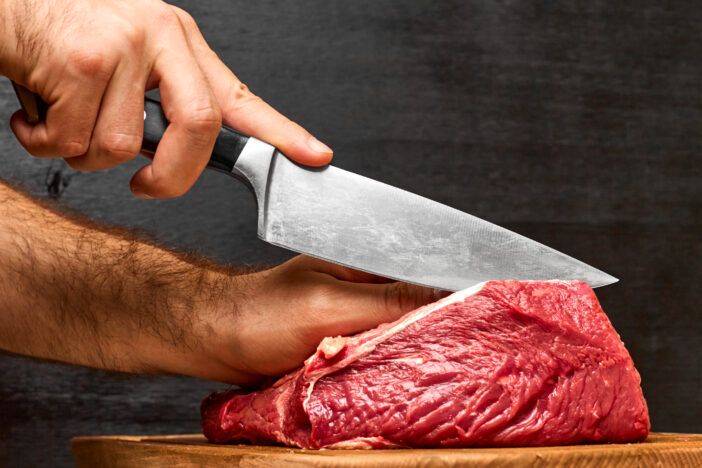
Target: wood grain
661,449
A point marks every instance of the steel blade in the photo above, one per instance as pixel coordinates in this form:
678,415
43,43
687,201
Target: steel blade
358,222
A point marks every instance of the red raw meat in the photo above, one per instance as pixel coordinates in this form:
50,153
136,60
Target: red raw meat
504,363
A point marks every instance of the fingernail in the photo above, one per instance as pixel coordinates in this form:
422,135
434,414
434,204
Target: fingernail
142,195
317,146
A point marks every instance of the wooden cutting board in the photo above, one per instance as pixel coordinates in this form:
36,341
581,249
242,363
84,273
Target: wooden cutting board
663,450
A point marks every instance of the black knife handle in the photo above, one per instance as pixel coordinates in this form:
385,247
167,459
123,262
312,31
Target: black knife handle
227,148
33,106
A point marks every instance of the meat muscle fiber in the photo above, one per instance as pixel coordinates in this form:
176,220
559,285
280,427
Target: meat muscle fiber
504,363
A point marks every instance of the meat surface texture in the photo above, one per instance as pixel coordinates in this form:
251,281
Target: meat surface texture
504,363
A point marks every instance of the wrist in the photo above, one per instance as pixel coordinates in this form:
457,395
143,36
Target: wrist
23,29
8,39
193,332
151,301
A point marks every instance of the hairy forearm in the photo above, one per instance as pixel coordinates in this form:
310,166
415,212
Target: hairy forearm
74,292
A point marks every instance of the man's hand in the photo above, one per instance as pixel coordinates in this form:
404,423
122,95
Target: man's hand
74,292
91,61
269,322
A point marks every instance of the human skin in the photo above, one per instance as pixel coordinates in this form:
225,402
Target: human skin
76,292
91,62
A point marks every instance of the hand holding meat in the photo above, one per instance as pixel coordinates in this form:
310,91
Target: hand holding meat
269,322
92,61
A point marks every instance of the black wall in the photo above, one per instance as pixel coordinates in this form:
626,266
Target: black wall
578,124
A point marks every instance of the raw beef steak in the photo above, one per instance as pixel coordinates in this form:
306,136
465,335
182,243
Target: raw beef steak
504,363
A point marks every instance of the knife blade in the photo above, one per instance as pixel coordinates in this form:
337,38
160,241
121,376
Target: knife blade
351,220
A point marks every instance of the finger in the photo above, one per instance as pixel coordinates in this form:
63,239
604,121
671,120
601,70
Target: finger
120,123
388,302
195,121
247,112
356,306
338,271
69,123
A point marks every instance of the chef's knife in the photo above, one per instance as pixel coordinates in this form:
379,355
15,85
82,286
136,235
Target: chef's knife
345,218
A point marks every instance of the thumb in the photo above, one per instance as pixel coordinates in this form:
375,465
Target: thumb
248,113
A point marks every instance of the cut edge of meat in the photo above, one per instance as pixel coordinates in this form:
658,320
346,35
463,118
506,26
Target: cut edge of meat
335,349
335,353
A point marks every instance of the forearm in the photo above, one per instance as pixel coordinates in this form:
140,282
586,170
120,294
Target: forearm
73,292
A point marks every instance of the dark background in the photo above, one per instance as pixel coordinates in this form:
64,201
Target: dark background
578,124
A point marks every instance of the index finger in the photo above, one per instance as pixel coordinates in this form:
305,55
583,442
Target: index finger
338,271
248,113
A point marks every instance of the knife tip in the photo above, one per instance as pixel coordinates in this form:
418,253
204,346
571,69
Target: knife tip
604,279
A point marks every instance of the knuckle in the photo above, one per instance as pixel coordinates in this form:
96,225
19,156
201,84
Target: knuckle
400,298
186,20
241,91
392,301
239,96
168,18
69,149
54,146
133,36
87,61
204,120
119,146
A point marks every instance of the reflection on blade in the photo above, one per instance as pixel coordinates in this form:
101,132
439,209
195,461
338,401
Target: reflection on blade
348,219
